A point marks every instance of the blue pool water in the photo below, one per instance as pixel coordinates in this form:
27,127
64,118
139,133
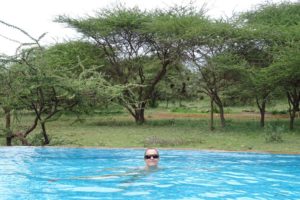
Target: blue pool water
75,173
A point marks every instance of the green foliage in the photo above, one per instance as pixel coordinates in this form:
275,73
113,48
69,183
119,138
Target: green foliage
37,139
276,15
285,69
153,104
184,110
47,82
140,47
109,111
69,57
273,133
282,112
177,85
267,32
278,22
176,23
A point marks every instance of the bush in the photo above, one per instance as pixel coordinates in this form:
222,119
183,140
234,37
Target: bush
161,142
275,112
153,104
274,134
37,139
184,110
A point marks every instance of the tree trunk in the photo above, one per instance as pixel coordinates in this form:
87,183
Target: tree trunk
262,118
23,139
153,100
44,133
292,119
8,140
9,135
221,109
223,123
180,103
211,125
139,115
262,109
293,100
292,113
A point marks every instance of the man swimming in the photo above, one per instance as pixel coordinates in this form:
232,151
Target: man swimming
151,158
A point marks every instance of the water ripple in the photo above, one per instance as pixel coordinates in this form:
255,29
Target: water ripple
58,173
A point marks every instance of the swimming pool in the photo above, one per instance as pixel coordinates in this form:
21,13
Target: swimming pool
82,173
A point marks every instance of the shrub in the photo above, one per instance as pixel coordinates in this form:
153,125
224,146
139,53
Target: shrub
157,141
37,139
275,112
273,134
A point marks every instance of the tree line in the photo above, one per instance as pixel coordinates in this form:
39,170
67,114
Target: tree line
133,57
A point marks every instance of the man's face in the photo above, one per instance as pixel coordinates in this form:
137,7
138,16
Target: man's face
151,158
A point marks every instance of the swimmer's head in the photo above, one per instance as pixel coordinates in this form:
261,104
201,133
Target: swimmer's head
151,157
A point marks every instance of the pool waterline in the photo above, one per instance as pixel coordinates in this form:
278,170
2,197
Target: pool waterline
163,148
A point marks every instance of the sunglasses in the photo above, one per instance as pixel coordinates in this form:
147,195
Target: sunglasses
153,156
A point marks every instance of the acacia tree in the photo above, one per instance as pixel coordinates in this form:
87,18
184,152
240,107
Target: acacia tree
208,50
51,90
6,101
12,86
139,46
277,26
176,85
29,87
255,48
37,83
71,57
47,93
287,74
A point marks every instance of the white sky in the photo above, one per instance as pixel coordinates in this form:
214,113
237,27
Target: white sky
36,16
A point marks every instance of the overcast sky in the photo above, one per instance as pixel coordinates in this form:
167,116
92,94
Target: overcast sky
36,16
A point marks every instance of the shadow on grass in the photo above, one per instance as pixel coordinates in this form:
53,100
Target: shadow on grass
170,142
153,123
254,126
233,126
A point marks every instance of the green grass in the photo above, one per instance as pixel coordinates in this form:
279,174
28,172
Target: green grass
179,133
115,128
120,131
203,106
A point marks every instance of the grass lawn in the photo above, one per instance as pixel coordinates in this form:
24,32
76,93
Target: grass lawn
168,129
